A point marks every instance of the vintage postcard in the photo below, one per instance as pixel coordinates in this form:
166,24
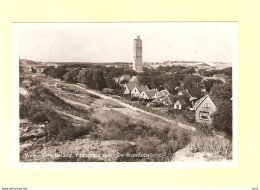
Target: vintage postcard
155,94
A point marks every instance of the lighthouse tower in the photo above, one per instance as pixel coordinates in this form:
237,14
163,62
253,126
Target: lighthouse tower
138,58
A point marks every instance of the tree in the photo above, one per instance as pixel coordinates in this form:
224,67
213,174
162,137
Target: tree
33,70
210,82
85,77
71,76
59,72
194,85
99,79
222,118
112,84
221,92
171,83
49,71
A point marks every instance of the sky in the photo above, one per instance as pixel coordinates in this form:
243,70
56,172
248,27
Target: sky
113,42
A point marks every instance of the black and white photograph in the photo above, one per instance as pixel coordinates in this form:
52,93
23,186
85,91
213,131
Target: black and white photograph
127,92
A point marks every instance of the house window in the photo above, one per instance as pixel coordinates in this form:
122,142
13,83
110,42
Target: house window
206,105
204,115
177,107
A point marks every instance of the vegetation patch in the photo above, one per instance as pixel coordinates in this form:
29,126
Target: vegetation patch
159,143
219,147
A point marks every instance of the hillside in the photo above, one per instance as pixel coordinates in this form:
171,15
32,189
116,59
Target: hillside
61,121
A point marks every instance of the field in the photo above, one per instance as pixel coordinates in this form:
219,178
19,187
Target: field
67,122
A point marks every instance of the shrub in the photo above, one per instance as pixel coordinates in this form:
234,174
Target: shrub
39,117
67,131
189,116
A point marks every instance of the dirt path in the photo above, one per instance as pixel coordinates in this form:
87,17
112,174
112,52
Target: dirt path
72,116
84,106
135,109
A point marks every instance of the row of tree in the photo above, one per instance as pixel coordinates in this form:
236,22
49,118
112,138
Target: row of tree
94,77
182,77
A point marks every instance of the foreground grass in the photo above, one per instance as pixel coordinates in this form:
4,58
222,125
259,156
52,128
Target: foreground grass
219,147
160,143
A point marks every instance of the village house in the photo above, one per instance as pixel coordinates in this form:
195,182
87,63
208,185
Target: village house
168,100
204,108
149,94
163,93
180,104
125,77
128,87
156,102
188,98
134,79
136,92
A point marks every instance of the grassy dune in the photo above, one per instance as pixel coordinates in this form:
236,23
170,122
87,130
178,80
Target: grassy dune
146,137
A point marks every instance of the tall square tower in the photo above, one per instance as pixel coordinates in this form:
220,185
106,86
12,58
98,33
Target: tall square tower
138,57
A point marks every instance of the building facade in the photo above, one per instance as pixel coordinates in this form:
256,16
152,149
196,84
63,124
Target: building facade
138,55
204,108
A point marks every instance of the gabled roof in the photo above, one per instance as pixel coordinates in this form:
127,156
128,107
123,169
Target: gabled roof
156,100
142,88
134,79
130,86
181,100
199,102
164,92
186,95
150,93
170,99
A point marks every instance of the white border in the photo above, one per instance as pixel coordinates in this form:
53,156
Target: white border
16,164
139,188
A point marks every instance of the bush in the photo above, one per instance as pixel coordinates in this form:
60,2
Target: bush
67,131
189,116
39,117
